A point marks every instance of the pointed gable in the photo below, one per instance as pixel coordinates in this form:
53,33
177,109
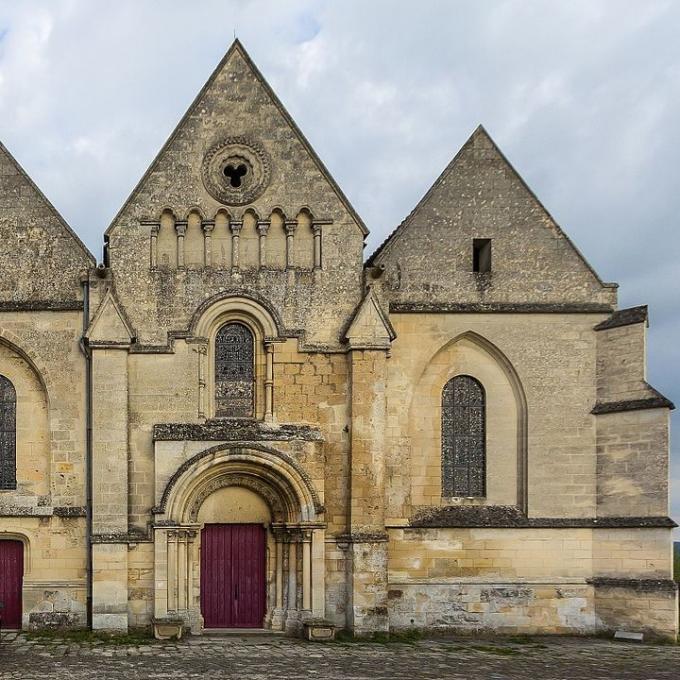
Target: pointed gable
109,325
429,257
237,103
370,327
237,199
41,258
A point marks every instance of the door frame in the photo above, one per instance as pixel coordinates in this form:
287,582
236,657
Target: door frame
263,567
9,538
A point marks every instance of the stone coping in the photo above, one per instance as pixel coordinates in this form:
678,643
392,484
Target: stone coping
498,308
624,317
234,430
507,516
656,401
641,585
41,306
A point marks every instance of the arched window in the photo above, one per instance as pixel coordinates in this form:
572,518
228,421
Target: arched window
463,438
8,434
234,372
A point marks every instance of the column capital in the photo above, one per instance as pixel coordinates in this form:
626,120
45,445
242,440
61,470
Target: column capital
208,226
263,227
290,226
181,227
235,226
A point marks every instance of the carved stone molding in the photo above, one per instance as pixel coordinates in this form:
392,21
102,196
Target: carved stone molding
245,481
236,170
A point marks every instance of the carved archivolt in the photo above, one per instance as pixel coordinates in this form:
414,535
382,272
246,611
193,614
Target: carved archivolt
250,482
275,476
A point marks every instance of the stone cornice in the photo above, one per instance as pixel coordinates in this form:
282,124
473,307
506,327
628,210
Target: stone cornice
43,511
658,401
641,585
41,306
234,430
498,308
505,516
624,317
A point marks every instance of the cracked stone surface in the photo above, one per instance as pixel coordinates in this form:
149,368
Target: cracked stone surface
259,657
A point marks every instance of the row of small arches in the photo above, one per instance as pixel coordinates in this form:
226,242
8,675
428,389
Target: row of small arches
286,243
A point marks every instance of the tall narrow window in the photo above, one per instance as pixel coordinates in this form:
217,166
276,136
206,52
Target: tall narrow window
234,372
463,438
8,434
481,255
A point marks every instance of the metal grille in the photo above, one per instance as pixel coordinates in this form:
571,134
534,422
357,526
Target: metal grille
8,434
463,438
234,372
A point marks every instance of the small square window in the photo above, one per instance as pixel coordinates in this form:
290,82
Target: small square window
481,255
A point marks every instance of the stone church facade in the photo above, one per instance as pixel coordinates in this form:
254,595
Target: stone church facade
237,421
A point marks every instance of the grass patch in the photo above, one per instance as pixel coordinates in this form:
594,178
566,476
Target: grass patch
501,651
134,637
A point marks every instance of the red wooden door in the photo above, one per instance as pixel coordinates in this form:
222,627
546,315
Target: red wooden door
11,580
233,575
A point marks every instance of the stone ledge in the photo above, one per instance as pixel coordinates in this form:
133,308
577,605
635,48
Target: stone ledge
43,511
506,516
498,308
234,430
624,317
41,306
657,401
640,585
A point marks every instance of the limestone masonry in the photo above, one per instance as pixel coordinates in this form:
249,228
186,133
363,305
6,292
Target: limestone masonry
236,421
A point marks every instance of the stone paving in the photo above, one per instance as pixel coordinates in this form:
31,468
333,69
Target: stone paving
256,658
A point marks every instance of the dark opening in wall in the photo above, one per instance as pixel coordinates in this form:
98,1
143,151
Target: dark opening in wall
481,255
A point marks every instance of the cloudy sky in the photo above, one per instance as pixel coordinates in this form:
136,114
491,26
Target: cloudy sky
582,95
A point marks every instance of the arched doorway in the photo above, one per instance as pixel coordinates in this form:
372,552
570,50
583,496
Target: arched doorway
239,541
11,582
233,560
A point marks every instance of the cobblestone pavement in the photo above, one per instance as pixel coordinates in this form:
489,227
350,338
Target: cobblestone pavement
255,658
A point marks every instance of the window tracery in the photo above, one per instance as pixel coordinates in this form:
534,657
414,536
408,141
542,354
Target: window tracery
463,438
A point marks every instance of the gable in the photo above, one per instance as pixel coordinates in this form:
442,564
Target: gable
41,258
237,199
370,327
109,325
429,257
238,105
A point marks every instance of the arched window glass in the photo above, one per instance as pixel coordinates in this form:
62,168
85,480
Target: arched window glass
8,434
234,372
463,438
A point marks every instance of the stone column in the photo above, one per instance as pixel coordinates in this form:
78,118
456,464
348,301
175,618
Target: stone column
181,229
172,571
262,228
202,364
316,228
182,571
155,227
280,566
292,573
235,227
269,383
208,226
289,226
307,570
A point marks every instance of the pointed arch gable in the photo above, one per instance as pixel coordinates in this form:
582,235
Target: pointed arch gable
437,371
